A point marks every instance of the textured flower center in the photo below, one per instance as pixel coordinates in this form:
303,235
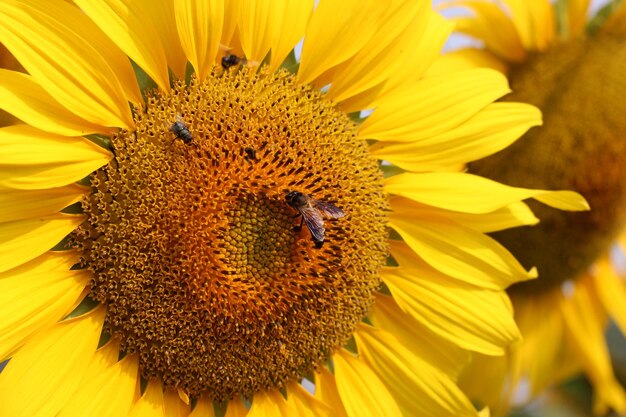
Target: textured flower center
192,242
580,88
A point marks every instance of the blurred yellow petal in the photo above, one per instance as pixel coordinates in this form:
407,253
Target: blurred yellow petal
36,295
326,391
290,29
418,387
434,105
270,404
469,193
200,28
305,404
109,393
435,350
26,100
490,130
33,159
534,21
577,16
236,408
336,32
203,408
612,292
363,394
126,24
42,377
174,406
584,321
151,403
70,58
459,251
493,26
23,240
474,318
24,204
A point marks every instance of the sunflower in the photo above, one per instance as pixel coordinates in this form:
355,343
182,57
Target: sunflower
572,68
196,219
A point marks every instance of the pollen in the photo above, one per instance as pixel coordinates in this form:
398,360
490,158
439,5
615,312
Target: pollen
580,87
195,252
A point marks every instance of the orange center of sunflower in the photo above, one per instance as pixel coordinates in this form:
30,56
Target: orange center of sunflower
192,242
580,88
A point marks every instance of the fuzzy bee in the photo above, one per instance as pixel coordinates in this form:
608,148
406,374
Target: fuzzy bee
312,214
180,129
230,60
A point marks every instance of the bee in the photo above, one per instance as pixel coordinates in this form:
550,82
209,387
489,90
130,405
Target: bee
230,60
250,153
179,128
313,213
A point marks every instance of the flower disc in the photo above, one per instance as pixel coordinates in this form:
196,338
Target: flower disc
577,85
192,243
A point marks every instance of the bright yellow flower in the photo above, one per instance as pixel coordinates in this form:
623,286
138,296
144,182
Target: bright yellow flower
573,70
148,258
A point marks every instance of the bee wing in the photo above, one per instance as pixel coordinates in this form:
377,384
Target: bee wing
329,210
314,222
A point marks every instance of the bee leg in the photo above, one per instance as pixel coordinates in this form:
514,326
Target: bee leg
318,243
298,228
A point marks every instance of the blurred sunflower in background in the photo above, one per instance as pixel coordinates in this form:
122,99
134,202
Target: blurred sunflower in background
151,258
572,67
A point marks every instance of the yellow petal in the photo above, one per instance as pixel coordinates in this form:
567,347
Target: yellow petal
494,27
19,204
23,240
534,21
413,265
435,350
26,100
258,26
434,105
363,394
109,393
151,402
577,16
43,375
326,391
200,29
126,24
466,58
174,405
474,318
71,59
270,404
33,159
490,130
336,32
36,295
203,408
513,215
584,321
162,19
418,387
236,408
290,29
304,404
467,193
458,251
612,291
403,25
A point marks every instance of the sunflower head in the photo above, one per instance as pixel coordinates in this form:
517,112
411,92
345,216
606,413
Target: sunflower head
230,209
